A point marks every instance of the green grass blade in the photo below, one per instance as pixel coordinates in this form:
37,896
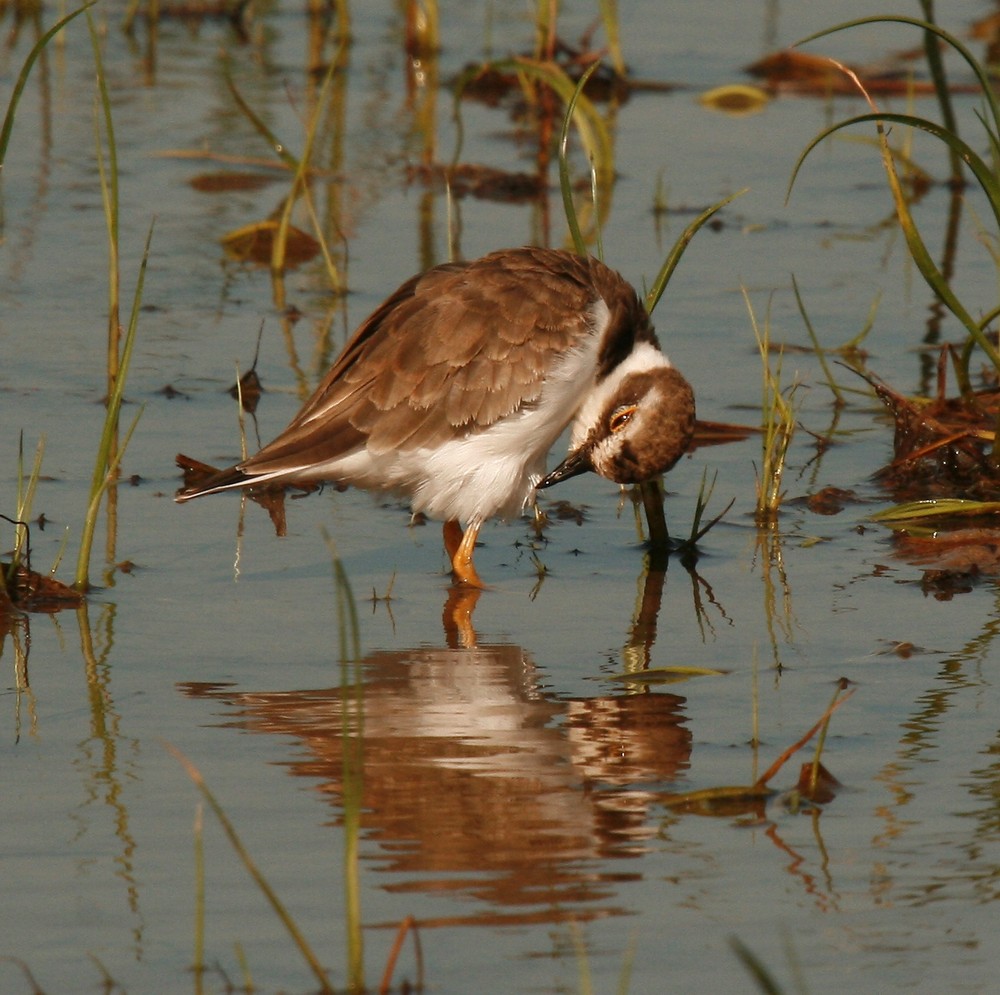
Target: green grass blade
352,718
756,968
565,182
22,77
674,256
934,278
262,883
935,63
935,509
610,20
984,174
109,196
838,394
25,496
198,964
977,68
106,464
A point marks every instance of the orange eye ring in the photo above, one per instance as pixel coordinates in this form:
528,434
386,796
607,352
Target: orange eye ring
620,417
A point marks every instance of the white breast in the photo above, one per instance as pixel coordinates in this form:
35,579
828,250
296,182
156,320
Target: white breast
478,475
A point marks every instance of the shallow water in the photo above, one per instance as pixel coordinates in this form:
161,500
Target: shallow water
512,796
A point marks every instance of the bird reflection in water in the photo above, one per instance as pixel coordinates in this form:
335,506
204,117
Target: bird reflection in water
479,781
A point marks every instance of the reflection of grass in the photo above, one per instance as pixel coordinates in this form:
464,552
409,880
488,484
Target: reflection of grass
278,228
352,739
22,78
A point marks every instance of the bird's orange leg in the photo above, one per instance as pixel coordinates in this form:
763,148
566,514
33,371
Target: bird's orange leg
452,537
460,548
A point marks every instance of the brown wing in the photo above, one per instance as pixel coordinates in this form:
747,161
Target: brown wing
460,346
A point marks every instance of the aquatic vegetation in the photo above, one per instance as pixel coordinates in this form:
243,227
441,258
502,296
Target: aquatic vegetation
983,172
944,449
109,452
567,784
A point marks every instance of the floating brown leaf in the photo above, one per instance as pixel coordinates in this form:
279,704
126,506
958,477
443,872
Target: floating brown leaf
254,243
482,182
815,75
225,181
817,784
829,500
29,591
727,801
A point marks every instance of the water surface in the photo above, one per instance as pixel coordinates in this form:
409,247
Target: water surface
507,785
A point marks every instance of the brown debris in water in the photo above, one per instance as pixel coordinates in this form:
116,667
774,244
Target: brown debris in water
492,86
28,591
254,243
815,783
228,181
830,500
798,72
481,182
943,449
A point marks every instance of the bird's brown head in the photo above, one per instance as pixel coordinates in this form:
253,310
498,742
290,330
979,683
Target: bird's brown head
642,430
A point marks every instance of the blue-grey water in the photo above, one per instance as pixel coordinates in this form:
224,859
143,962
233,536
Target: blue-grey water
512,795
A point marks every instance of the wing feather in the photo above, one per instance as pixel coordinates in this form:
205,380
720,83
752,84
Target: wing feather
457,348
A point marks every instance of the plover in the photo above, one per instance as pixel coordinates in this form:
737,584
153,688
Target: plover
453,391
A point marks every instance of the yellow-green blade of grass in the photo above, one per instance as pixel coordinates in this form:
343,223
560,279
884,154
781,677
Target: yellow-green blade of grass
300,184
934,510
22,78
674,256
565,182
25,494
610,20
980,72
319,972
109,196
105,465
352,719
984,174
934,278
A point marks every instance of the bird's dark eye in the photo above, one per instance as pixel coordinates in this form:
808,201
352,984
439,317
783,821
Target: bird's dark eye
620,417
